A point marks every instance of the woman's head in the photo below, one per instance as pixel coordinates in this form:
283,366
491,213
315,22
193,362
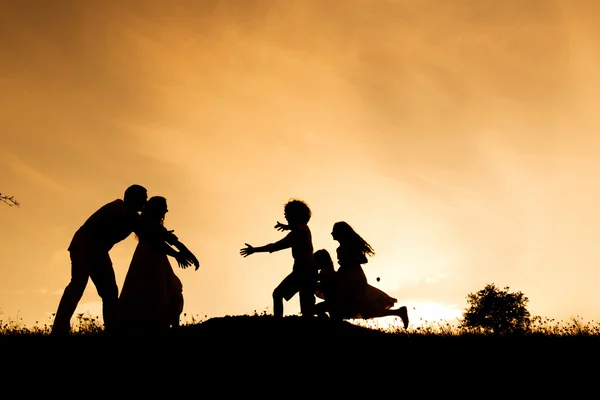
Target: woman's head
323,259
347,236
297,212
156,209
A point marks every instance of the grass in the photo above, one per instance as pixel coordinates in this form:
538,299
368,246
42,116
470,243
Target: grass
261,335
256,348
540,327
86,325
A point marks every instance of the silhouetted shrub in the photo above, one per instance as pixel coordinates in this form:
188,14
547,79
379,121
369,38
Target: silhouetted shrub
495,311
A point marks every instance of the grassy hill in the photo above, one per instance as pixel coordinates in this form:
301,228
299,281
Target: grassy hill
227,350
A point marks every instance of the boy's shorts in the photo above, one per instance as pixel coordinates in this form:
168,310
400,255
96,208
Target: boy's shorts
297,282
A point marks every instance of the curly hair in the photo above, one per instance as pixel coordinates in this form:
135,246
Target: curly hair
297,211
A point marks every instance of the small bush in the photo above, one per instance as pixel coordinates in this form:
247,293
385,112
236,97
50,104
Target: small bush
496,311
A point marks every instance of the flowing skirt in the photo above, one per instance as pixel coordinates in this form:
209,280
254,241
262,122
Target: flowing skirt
151,300
376,303
357,298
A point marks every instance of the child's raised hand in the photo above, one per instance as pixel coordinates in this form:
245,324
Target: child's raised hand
247,250
282,227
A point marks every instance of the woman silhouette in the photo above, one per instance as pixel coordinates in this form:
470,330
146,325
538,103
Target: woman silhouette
151,300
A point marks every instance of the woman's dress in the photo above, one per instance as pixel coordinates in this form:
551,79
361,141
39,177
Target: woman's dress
151,300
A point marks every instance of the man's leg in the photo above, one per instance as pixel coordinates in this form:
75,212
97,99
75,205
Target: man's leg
72,294
103,276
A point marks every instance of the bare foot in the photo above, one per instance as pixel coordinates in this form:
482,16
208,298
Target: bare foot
403,314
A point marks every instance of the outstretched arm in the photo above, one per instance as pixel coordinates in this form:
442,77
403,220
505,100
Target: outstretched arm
282,227
188,255
184,252
183,260
284,243
166,240
246,251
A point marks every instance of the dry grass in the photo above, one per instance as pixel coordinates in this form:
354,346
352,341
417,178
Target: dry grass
247,346
86,325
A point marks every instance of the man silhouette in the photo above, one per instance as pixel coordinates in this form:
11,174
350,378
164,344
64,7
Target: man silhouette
89,253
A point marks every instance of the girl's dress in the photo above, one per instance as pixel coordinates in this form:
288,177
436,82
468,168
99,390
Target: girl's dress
376,303
357,298
151,300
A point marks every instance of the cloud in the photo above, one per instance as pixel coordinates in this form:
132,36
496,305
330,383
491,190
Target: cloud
15,292
26,171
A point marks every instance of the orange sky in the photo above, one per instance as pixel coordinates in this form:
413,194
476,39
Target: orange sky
458,137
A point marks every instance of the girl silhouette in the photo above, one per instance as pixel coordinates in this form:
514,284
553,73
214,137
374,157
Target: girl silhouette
354,296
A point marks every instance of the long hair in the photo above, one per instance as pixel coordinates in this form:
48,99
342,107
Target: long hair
323,260
349,238
155,209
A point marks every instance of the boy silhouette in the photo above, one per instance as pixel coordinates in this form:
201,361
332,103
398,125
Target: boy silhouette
303,277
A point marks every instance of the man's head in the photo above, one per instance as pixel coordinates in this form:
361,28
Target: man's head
136,197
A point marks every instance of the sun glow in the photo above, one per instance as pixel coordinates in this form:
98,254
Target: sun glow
420,314
425,313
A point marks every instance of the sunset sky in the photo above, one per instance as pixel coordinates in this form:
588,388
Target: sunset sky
459,138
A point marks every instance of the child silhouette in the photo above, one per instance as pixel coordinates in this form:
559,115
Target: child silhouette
353,296
303,277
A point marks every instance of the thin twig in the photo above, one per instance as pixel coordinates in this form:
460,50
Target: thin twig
10,200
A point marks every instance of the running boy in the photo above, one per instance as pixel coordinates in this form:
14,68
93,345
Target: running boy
303,277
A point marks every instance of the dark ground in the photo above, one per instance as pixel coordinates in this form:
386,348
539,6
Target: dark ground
256,353
263,334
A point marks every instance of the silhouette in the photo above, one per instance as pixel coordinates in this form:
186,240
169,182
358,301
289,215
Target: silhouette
326,287
151,299
10,200
303,277
89,253
351,296
496,311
